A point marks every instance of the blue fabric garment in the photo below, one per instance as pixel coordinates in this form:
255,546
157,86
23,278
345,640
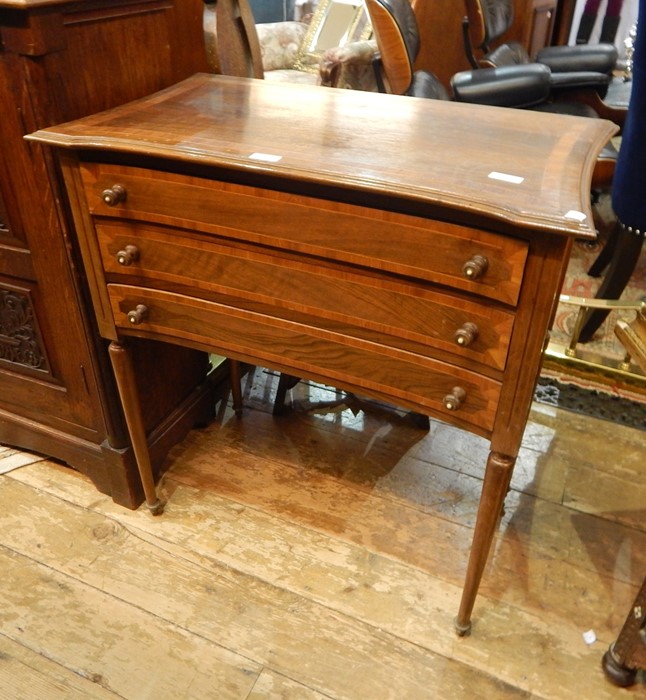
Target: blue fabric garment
629,183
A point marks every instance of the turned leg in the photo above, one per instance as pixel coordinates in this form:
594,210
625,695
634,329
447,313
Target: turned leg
494,489
127,386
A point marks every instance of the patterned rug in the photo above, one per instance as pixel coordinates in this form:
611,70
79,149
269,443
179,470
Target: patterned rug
592,400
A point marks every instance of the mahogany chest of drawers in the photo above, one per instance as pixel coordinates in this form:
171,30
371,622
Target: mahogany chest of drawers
406,258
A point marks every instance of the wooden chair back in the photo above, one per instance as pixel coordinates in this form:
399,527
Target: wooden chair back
396,32
488,21
485,22
231,41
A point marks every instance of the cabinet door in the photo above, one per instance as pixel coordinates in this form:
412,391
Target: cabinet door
66,60
46,371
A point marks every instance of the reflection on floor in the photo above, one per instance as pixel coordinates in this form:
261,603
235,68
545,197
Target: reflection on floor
320,554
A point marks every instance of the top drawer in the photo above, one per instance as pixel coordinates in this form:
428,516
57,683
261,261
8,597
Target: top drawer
469,259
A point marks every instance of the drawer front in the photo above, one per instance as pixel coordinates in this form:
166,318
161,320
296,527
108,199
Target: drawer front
410,380
376,307
404,245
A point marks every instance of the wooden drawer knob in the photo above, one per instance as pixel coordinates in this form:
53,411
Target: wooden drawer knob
454,400
475,267
466,334
114,195
128,255
138,315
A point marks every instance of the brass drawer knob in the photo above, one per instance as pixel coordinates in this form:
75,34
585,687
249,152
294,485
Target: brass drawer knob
475,267
114,195
466,334
128,255
455,399
138,315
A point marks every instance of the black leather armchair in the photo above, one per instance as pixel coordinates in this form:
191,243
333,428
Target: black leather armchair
396,32
525,85
488,21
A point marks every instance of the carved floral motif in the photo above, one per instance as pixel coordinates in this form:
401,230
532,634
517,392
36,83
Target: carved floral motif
19,341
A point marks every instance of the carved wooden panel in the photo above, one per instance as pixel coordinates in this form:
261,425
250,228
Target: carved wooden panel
20,339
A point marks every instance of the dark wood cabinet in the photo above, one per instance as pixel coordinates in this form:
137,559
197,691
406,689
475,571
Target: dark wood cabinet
60,61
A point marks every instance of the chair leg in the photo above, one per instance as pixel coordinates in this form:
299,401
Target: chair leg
285,383
626,254
606,254
627,653
236,387
622,676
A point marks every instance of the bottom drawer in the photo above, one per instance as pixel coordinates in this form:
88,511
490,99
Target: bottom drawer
410,380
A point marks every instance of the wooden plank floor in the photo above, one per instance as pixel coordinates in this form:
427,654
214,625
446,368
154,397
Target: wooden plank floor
321,554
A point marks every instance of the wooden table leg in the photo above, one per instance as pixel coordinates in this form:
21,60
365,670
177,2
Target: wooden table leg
127,386
494,489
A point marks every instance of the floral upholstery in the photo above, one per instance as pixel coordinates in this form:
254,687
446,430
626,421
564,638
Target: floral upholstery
280,44
350,66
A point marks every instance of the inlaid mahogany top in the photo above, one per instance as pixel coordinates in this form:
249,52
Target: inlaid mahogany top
527,169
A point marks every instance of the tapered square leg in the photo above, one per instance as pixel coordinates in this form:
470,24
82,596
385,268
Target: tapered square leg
494,489
127,386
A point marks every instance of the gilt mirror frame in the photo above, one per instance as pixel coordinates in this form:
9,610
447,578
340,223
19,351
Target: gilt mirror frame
334,23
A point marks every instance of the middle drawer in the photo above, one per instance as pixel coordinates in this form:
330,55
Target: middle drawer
371,305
